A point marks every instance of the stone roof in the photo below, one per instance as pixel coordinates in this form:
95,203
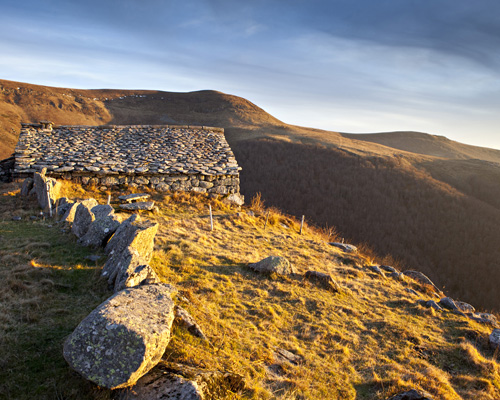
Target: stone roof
131,149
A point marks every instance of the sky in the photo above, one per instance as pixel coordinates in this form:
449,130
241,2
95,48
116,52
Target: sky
357,66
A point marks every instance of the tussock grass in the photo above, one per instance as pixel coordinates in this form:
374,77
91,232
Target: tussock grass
370,341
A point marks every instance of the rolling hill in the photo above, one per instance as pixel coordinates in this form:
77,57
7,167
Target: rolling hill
417,200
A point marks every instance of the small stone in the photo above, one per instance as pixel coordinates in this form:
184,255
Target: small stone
16,218
133,197
448,303
412,395
348,248
273,264
184,319
323,280
495,339
388,268
140,205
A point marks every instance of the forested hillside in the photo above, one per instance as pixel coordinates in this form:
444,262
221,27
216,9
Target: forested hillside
425,201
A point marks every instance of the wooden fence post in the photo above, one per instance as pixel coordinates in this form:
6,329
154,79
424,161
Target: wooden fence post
301,225
267,217
211,218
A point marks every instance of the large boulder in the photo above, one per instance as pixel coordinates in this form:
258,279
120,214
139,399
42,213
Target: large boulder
495,339
273,264
172,381
134,233
323,280
124,337
100,230
83,217
46,189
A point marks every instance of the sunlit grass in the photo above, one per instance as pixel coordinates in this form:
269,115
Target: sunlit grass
368,342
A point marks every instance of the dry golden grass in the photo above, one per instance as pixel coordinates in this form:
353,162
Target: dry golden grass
368,342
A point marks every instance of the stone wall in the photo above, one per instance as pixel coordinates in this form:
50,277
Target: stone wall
219,184
178,158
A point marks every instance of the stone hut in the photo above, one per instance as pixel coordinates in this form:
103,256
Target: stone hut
166,157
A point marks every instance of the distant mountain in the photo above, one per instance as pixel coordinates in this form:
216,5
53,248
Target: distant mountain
418,200
430,145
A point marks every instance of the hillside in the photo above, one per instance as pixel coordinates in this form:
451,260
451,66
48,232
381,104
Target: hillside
368,342
424,201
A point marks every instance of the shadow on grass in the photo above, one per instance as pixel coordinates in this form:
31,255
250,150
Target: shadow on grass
47,287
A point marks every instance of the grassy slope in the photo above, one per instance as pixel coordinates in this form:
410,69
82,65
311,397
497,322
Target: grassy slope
368,342
419,198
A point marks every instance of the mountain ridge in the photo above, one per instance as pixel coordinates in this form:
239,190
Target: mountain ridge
437,211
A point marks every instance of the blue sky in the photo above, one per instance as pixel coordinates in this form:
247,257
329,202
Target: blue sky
344,65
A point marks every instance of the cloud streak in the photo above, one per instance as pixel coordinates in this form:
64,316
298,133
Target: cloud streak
390,64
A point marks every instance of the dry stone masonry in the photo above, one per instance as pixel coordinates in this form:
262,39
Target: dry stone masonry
186,158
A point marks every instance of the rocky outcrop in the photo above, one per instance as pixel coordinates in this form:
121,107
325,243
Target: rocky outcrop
323,280
274,264
123,338
172,381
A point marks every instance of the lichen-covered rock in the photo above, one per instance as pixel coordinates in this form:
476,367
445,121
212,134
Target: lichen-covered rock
412,395
102,210
100,230
495,339
136,234
130,270
172,381
273,264
124,337
184,319
113,244
83,217
323,280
